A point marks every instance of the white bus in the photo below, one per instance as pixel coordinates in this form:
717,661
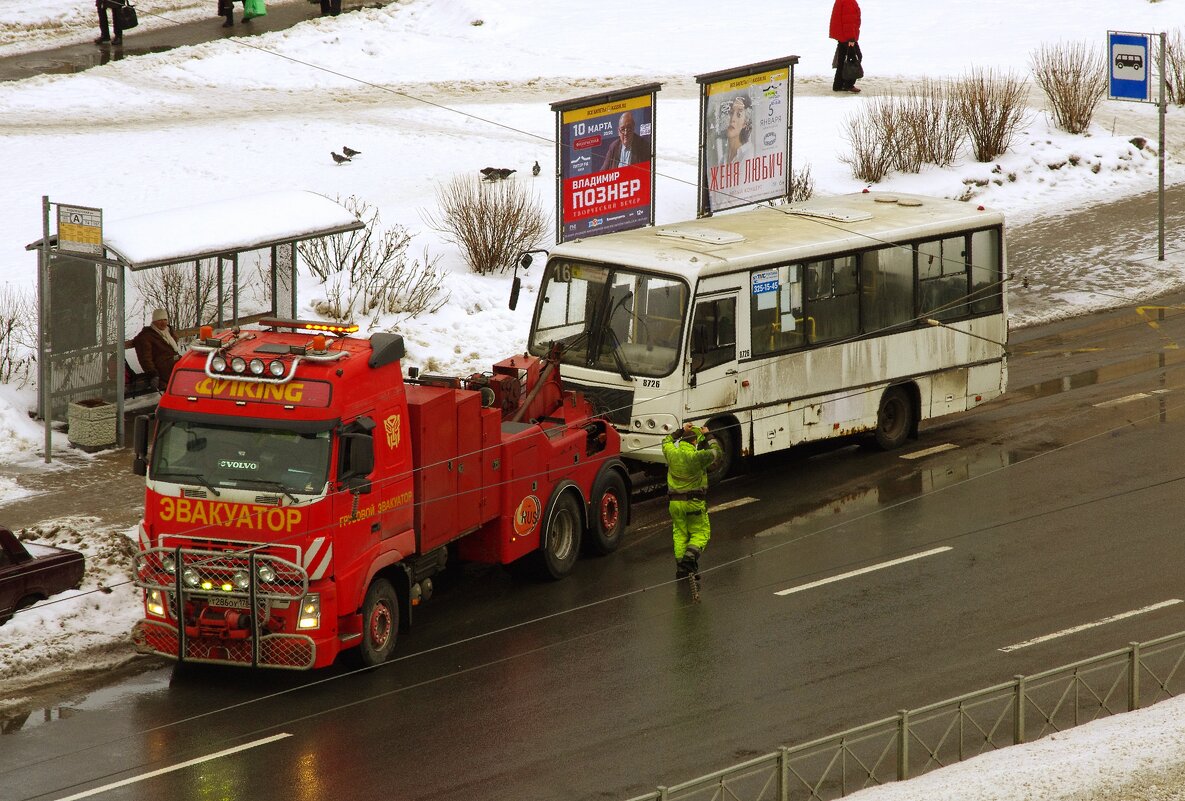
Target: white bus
781,325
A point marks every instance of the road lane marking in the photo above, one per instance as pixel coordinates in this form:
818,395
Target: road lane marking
732,504
1085,626
930,451
863,570
178,766
1125,399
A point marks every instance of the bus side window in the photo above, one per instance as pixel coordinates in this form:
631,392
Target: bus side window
776,316
986,289
942,278
886,289
713,333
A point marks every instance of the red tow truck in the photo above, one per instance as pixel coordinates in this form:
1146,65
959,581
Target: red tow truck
302,492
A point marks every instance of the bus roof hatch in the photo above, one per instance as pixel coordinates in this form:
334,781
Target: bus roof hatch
708,236
835,215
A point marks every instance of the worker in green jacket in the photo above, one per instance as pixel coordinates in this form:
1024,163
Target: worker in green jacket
689,454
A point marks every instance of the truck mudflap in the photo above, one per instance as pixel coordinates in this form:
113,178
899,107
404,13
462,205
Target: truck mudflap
234,607
290,651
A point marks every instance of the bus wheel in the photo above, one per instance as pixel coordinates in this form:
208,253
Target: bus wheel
724,466
559,543
894,419
380,623
610,509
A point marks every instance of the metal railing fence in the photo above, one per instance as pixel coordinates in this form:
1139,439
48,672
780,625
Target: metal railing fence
917,741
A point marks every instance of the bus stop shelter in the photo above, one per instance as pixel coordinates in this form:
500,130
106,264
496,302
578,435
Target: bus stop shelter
222,263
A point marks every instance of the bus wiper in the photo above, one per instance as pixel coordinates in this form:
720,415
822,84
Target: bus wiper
618,354
267,482
200,479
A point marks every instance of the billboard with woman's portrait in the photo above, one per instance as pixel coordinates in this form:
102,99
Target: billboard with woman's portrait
744,134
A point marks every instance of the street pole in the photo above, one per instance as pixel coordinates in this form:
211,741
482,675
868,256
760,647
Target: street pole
1160,155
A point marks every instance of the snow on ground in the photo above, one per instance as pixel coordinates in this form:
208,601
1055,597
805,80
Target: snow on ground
454,85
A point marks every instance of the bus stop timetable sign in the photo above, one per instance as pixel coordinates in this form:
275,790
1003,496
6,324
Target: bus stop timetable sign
1129,66
80,230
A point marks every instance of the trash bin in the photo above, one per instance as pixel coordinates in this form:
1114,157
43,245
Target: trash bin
91,424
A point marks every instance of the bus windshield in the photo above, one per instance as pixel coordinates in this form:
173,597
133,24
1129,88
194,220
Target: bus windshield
610,318
216,456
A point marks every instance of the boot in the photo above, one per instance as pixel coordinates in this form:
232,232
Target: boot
680,571
690,560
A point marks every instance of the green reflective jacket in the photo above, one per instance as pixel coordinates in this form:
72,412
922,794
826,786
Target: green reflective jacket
687,467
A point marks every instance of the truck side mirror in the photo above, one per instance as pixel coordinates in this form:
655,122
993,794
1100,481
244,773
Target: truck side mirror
140,446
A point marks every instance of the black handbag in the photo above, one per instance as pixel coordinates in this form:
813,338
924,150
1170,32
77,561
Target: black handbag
852,70
127,17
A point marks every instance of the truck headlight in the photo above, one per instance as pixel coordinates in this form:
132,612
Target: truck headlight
190,577
241,581
156,604
266,573
310,612
168,563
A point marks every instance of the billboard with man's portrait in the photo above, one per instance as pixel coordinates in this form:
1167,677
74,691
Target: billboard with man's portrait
745,136
606,158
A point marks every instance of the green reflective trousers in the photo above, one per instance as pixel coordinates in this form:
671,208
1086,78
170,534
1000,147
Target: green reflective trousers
690,525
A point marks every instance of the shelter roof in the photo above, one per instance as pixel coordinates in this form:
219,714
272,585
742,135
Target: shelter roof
223,226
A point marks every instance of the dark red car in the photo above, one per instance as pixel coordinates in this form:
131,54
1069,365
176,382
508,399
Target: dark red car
30,573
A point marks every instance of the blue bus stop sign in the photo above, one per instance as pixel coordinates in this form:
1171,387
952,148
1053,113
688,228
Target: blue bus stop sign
1129,66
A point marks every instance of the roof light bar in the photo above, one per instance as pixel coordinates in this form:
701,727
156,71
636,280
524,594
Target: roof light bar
310,325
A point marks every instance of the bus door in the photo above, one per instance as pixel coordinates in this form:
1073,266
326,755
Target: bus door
711,364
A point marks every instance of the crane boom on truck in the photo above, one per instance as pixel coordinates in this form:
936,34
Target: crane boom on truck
301,492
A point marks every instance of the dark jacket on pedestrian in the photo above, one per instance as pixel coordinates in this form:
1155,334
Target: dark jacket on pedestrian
157,356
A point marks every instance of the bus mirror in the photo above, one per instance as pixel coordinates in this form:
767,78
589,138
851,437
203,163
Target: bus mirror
526,260
515,286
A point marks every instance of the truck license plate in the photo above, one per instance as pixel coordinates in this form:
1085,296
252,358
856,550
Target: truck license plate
229,603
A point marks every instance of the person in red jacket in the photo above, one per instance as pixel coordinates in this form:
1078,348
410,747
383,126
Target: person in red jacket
845,30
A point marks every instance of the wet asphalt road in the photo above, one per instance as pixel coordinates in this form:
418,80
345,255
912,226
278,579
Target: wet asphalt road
141,40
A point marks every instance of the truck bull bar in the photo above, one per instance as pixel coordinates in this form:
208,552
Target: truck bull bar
222,603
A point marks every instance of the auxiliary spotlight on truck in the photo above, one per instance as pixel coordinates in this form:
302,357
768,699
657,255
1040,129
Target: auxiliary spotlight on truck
302,492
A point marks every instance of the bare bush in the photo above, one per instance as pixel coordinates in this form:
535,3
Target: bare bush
935,125
1073,76
18,335
366,272
992,106
903,133
187,292
802,185
491,222
870,160
1174,68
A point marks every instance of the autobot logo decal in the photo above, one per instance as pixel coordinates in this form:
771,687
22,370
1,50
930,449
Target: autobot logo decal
391,426
526,516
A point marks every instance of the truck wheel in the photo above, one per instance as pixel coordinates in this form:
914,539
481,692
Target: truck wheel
610,510
559,543
893,419
380,623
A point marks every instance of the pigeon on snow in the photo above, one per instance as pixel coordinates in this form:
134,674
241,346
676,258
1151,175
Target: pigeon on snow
339,159
535,169
350,152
